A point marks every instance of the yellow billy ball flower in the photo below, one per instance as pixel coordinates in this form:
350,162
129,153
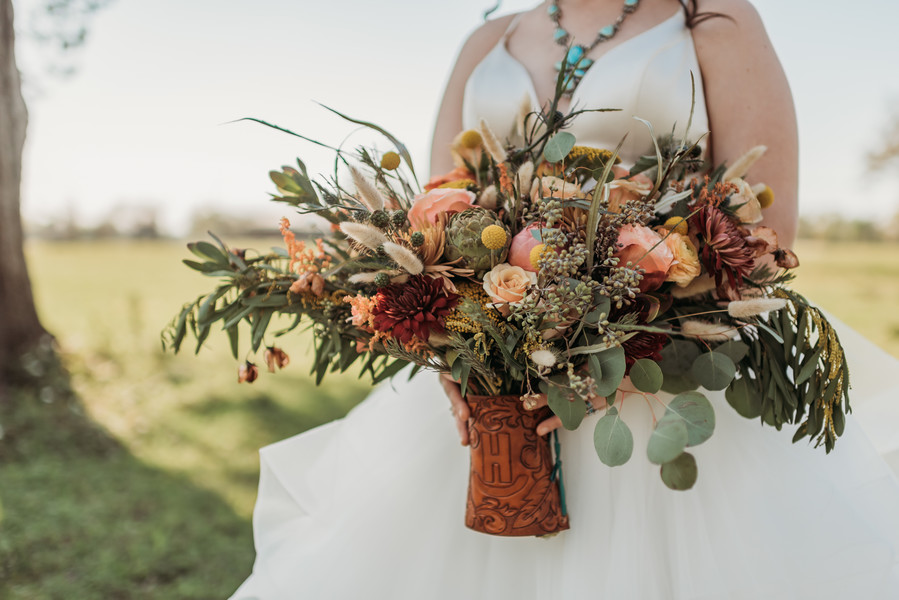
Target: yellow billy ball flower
766,197
459,184
535,255
677,225
494,237
471,139
390,161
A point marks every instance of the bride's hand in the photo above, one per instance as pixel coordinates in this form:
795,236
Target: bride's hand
598,403
460,408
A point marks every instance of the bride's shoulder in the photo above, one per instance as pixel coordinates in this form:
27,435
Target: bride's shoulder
720,20
729,33
480,41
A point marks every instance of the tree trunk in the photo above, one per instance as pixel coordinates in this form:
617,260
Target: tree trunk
20,329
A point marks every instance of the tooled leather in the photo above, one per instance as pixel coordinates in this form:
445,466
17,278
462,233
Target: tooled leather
510,490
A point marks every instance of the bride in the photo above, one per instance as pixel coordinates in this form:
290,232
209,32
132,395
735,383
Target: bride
372,506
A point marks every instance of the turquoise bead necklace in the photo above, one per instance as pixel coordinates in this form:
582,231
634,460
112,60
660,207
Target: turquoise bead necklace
576,61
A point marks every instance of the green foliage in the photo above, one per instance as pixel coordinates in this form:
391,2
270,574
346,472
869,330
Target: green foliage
668,440
608,370
795,370
646,376
558,147
680,474
613,439
564,403
713,370
697,414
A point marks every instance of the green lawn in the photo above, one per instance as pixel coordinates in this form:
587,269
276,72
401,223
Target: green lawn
160,508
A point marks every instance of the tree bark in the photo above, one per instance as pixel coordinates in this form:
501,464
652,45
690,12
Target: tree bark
20,329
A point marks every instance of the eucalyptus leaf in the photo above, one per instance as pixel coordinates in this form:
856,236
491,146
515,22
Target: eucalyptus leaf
678,357
713,370
613,366
570,409
745,400
558,147
695,410
734,350
677,384
681,473
613,439
646,376
668,440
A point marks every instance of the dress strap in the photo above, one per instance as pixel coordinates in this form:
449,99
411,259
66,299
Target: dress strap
512,25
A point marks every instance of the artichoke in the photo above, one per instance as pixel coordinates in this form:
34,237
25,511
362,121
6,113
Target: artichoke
463,240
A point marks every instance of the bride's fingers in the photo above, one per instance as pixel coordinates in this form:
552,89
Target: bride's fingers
460,409
549,425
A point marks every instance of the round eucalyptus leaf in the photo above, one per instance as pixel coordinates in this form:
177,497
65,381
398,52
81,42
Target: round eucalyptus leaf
558,146
646,376
734,350
612,439
713,370
695,410
741,397
612,366
680,473
566,405
678,356
677,384
667,441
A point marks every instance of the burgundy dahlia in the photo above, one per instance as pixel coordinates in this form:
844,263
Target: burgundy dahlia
723,248
643,345
415,308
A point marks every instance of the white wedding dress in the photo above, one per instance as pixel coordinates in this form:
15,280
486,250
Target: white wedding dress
371,506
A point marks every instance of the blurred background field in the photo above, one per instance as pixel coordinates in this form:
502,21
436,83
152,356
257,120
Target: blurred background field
166,512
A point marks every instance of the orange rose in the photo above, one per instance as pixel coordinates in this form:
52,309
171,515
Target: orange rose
455,175
644,248
428,206
622,190
686,266
506,284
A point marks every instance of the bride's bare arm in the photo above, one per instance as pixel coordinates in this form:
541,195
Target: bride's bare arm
449,117
749,103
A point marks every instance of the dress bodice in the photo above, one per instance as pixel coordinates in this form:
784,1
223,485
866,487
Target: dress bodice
646,76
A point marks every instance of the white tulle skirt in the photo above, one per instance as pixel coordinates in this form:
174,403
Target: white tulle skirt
372,506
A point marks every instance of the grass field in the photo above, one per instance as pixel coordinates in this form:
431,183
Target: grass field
163,510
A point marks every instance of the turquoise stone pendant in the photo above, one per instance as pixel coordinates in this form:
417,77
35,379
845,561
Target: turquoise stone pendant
576,65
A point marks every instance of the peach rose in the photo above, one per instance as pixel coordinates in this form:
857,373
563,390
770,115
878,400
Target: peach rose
506,284
622,190
556,188
445,200
686,266
644,248
456,174
522,244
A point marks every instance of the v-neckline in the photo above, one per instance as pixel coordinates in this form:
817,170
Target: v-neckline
571,102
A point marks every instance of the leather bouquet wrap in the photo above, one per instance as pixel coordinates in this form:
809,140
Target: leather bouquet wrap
512,490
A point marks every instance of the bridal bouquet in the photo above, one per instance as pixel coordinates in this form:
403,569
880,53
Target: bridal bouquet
538,266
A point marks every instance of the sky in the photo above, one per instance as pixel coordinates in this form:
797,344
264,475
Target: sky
145,121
